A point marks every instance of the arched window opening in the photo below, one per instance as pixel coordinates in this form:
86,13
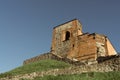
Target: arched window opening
67,36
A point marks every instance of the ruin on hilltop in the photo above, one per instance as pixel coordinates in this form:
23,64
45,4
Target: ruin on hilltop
69,41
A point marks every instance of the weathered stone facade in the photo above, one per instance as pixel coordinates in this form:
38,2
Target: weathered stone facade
70,42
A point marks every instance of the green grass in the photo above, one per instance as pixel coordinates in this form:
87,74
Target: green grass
84,76
41,65
45,65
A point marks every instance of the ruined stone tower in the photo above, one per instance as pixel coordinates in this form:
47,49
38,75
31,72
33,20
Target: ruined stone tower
70,42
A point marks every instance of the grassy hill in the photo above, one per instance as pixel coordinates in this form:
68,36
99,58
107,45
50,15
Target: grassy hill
46,65
42,65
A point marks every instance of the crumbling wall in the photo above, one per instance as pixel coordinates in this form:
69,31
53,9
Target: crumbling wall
100,49
101,45
37,58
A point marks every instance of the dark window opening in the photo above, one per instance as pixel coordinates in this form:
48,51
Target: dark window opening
73,45
94,37
67,36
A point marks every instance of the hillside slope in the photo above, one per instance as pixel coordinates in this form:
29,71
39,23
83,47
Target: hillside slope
58,70
39,66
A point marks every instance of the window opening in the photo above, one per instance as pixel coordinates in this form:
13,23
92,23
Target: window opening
67,37
73,45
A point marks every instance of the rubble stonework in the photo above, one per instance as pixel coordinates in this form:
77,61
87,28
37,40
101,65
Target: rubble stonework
70,42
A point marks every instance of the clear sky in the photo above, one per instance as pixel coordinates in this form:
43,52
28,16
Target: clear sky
26,25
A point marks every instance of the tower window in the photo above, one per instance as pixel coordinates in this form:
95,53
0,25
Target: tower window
73,45
67,36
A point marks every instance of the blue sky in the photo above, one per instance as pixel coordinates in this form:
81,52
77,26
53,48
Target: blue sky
26,25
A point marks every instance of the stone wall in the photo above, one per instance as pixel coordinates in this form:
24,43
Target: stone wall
37,58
